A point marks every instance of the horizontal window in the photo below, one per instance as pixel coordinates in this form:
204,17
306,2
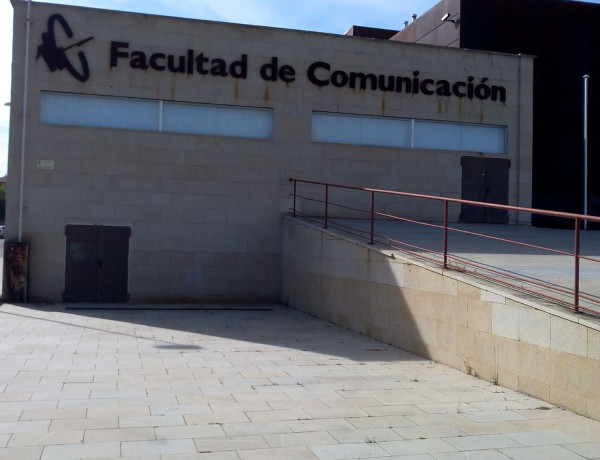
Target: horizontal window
408,133
150,115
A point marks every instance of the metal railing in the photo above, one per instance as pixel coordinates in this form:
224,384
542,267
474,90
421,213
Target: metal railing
370,215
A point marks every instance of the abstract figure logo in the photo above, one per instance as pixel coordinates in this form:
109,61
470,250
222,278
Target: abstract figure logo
56,56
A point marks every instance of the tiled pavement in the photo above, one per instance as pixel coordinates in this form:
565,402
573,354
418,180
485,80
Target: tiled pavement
251,383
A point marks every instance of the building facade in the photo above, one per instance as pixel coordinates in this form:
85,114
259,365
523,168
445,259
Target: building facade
157,150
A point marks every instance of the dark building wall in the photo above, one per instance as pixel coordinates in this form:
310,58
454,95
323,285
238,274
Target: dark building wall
564,36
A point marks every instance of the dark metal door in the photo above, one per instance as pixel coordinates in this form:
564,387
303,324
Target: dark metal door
113,255
96,268
473,188
496,189
486,180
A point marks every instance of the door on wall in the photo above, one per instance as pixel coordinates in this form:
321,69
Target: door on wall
486,180
96,268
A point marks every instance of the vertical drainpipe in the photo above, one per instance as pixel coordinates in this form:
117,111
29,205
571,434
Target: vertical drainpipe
24,121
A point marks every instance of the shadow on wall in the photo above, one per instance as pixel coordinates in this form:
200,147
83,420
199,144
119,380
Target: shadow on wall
355,287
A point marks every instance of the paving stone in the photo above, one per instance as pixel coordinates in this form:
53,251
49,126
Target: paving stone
348,451
540,438
46,438
265,386
119,434
416,446
481,442
190,431
543,452
488,454
82,451
21,453
157,447
590,450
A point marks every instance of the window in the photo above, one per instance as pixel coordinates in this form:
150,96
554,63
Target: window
405,132
151,115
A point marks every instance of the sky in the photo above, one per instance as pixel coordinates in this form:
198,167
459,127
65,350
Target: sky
332,16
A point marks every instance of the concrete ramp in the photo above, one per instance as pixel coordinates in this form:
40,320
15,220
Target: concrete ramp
499,335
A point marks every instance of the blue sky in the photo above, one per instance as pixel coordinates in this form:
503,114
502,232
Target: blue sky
333,16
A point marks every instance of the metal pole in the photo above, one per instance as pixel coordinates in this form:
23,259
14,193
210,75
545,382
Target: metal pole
24,123
294,211
372,218
576,274
326,204
585,148
445,233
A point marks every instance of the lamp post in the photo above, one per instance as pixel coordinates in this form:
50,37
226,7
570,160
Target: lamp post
585,148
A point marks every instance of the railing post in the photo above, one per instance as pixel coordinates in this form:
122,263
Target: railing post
445,233
326,203
577,249
372,218
294,205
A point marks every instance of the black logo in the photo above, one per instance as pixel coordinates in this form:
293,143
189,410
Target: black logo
56,57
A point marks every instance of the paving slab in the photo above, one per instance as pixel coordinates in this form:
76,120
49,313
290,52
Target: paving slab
250,383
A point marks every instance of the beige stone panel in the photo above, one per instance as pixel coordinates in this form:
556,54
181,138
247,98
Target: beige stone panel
479,315
593,409
574,402
561,368
535,362
507,355
506,378
468,291
481,370
505,320
584,377
487,296
533,388
593,344
447,336
467,342
568,336
534,327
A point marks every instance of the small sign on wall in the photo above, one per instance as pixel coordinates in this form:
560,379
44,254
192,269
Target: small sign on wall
45,164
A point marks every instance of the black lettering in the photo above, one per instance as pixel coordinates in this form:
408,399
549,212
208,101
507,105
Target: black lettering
200,60
390,83
311,73
115,54
424,86
403,81
239,69
483,91
470,87
268,71
443,88
219,68
190,62
415,85
287,73
138,60
171,64
154,61
499,90
363,80
339,78
456,88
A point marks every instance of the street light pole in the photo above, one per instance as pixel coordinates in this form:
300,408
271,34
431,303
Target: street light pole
585,148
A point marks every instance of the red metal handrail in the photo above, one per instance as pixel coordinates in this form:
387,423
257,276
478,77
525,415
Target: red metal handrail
497,274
